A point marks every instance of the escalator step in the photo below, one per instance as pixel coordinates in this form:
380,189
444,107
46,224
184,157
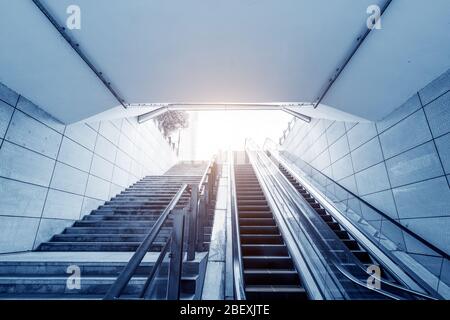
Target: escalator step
267,262
261,239
259,230
264,250
271,277
275,292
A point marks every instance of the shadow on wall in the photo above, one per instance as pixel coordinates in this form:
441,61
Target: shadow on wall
52,174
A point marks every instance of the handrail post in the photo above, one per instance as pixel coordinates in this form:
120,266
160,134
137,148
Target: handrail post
176,255
193,217
201,222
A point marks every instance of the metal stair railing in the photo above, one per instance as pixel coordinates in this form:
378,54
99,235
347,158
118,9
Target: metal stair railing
196,212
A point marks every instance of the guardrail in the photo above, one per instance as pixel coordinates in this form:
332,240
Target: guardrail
196,214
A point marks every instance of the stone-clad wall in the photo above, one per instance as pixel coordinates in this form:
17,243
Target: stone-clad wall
52,174
401,164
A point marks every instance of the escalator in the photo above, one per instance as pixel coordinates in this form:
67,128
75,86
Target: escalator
268,269
291,246
355,248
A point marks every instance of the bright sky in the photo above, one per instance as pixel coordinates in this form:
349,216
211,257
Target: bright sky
211,131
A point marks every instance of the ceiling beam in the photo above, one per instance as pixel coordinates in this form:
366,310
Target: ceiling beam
152,114
297,114
76,47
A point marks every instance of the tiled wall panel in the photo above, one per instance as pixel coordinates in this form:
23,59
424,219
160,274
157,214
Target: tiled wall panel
401,164
52,174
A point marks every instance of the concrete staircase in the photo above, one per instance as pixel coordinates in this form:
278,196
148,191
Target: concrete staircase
101,243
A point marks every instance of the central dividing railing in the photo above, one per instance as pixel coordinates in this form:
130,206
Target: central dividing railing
163,282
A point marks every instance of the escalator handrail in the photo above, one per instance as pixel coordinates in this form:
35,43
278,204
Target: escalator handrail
385,216
382,281
238,276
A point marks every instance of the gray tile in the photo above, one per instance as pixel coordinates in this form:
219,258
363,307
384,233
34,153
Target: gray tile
17,233
48,228
83,134
102,168
416,246
8,95
97,188
438,115
24,165
342,168
123,161
339,149
405,135
115,190
445,274
90,204
432,264
443,146
94,125
361,133
418,164
32,134
322,161
372,180
383,201
367,155
110,132
120,177
424,199
393,233
6,112
62,205
335,131
105,149
21,199
69,179
434,230
75,155
408,108
349,125
32,110
436,88
349,183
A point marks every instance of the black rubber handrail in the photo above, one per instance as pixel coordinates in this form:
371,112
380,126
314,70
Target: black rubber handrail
127,273
414,235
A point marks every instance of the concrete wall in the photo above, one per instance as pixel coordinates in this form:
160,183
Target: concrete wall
52,174
401,165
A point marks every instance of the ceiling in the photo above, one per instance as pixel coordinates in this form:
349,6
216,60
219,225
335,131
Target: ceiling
213,51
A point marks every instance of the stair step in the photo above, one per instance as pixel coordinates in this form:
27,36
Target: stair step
96,246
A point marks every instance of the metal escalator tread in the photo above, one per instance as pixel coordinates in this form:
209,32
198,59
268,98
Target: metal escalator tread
269,272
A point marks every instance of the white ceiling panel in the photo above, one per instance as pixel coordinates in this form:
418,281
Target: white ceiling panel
38,63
